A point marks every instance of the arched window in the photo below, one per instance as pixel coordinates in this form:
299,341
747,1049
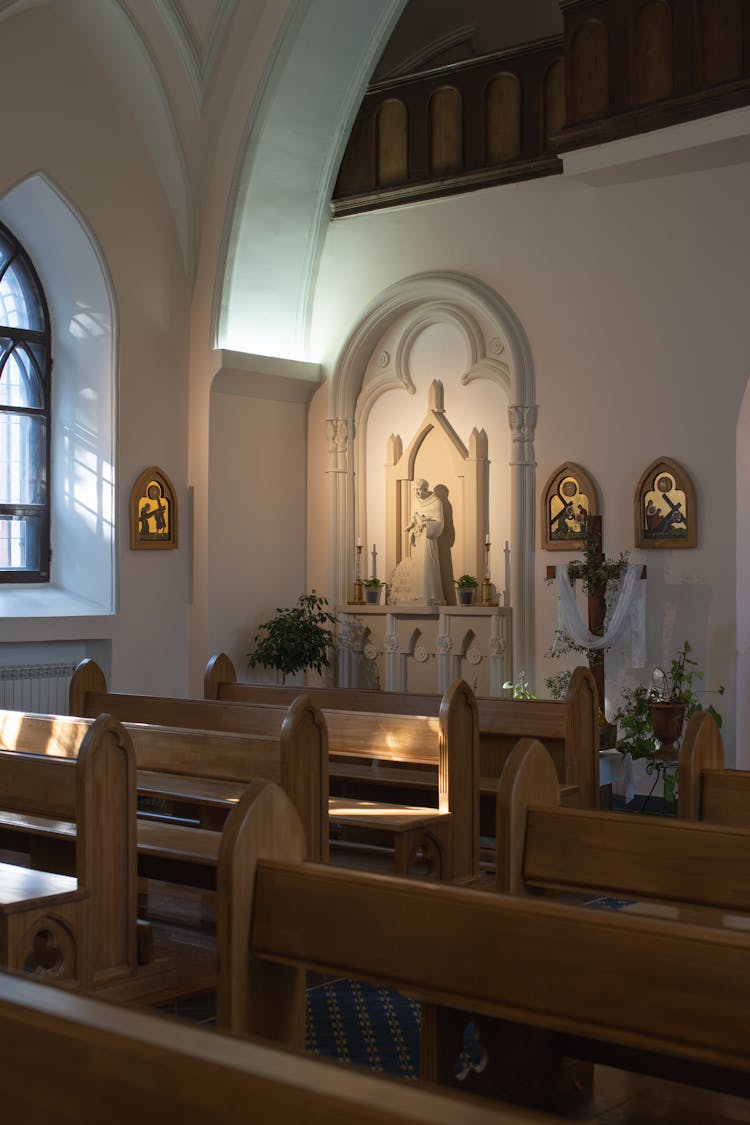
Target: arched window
25,365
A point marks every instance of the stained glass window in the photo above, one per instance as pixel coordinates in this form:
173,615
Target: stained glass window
25,366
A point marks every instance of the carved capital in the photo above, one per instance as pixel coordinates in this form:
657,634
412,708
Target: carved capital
444,644
337,434
522,421
391,643
497,646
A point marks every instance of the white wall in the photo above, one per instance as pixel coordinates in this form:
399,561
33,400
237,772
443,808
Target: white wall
72,126
631,297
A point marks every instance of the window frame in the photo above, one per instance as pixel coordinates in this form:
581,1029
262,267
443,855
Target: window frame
41,340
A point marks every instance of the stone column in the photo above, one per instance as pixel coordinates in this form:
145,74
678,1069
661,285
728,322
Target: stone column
341,526
522,420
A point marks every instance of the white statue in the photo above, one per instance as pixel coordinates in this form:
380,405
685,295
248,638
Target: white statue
425,527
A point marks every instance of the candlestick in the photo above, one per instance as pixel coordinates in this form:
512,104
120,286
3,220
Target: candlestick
359,590
374,562
486,583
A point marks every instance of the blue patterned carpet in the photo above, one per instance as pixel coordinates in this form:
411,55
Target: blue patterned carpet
364,1024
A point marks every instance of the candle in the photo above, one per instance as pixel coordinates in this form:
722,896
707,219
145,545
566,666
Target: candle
487,538
359,541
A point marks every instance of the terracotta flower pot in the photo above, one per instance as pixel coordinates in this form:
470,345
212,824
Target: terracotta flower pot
667,720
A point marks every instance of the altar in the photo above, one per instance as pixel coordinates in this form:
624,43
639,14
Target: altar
424,648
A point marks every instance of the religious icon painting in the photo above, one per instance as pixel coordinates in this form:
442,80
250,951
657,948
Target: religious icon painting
153,512
665,512
569,498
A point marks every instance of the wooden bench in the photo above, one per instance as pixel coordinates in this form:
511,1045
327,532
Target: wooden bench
80,929
71,1058
446,744
558,976
568,729
205,768
543,847
707,790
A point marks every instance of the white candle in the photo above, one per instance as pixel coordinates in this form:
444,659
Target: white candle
487,537
359,541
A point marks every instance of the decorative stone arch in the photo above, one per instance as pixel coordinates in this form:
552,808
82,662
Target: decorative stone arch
498,351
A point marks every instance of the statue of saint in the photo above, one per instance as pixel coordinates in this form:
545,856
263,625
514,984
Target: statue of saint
425,528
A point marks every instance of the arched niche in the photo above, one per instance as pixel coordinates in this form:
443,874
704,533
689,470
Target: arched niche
497,350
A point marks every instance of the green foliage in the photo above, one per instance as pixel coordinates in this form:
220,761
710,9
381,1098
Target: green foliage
521,689
466,582
678,685
373,583
633,717
295,639
597,575
557,684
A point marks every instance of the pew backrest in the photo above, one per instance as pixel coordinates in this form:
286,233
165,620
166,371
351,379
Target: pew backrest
569,728
541,846
177,1072
447,740
96,791
296,757
519,959
706,789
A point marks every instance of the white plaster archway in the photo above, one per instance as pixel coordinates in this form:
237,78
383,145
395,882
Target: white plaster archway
498,350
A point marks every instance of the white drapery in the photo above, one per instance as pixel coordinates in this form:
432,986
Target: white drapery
630,609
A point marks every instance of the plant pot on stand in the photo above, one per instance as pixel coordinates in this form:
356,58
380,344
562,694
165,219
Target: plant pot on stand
466,595
667,721
372,595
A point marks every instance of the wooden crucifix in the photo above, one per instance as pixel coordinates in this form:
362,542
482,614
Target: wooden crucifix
596,599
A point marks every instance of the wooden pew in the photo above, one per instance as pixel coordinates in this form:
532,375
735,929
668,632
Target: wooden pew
207,768
559,973
446,743
82,929
542,847
70,1059
568,729
706,789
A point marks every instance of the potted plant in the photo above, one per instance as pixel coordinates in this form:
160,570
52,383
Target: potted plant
295,639
673,696
520,687
372,590
650,718
466,586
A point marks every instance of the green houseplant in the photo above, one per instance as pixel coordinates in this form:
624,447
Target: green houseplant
650,718
295,639
466,586
520,687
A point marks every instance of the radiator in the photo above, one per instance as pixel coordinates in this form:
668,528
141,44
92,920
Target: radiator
36,687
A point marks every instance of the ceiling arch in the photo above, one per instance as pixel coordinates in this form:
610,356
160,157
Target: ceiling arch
118,40
286,172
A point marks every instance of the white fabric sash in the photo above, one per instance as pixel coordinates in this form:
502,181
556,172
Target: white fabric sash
630,608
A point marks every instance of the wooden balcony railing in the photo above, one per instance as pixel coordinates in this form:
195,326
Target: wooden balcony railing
621,67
